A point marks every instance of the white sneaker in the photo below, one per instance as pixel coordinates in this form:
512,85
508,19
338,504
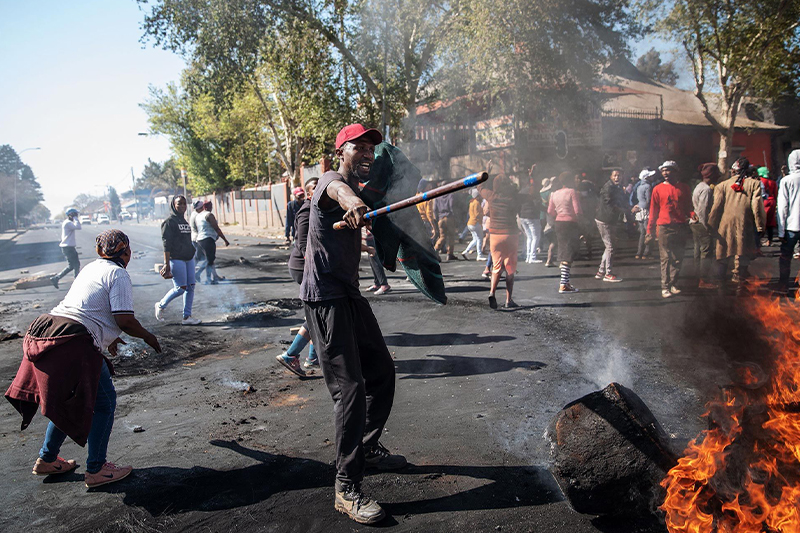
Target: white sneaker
481,258
666,294
159,313
674,290
191,321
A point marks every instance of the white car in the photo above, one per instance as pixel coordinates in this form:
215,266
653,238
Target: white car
124,215
85,219
103,219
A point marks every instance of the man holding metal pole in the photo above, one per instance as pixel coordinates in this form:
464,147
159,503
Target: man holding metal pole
358,369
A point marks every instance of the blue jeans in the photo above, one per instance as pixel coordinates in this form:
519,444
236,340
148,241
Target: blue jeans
787,250
182,284
102,422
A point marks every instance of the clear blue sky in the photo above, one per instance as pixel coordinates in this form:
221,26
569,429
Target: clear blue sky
73,75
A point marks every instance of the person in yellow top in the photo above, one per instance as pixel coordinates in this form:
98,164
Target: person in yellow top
426,211
475,226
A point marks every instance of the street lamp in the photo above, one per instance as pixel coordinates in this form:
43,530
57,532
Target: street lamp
17,177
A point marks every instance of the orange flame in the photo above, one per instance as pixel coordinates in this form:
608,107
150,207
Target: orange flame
704,493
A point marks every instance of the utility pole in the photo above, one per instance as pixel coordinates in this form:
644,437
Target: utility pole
183,178
135,198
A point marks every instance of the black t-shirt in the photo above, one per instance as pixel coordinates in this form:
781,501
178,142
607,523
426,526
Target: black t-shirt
332,256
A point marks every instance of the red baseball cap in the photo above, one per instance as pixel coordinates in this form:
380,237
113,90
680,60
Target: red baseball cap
356,131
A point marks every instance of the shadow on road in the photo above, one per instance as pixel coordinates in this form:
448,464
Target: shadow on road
31,255
166,490
440,366
442,339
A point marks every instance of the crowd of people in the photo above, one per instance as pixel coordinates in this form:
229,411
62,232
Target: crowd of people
729,217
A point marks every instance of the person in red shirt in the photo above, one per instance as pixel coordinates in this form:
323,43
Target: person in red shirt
670,206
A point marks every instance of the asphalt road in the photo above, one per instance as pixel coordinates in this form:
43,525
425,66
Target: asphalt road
234,442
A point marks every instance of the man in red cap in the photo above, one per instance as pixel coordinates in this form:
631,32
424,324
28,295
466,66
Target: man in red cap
357,366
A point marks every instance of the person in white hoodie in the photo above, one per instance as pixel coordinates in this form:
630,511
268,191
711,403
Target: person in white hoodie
68,245
788,214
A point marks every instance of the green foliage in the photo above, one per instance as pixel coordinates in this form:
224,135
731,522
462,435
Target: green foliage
113,200
650,64
13,172
737,49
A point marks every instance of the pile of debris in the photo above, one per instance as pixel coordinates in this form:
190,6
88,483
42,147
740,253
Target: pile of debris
257,311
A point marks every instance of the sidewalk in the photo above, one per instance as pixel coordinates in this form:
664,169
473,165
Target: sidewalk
7,237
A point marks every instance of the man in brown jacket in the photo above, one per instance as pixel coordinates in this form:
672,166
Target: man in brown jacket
737,218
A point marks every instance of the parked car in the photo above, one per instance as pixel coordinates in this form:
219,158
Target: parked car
124,215
85,219
103,219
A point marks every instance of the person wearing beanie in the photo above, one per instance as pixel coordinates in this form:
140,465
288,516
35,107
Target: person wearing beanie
769,191
63,369
670,206
737,219
702,199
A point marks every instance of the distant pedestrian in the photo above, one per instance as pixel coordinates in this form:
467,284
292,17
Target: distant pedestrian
444,210
702,234
548,221
475,226
68,245
291,211
641,210
565,208
530,217
670,206
504,206
788,215
64,371
737,217
199,254
208,231
609,216
769,191
176,236
291,357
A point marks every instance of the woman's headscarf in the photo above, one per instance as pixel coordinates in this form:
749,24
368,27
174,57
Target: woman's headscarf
111,244
740,169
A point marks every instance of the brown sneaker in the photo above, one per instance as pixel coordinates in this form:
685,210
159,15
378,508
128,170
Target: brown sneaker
352,502
59,466
108,474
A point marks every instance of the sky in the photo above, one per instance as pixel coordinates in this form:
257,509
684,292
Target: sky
72,78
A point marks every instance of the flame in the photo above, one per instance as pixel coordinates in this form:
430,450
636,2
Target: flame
707,491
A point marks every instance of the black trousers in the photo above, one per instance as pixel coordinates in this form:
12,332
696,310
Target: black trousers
359,373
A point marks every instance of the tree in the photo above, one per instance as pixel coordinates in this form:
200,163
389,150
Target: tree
650,64
19,177
39,214
737,49
113,200
83,200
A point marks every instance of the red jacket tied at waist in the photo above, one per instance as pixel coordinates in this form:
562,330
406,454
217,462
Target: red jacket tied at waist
59,373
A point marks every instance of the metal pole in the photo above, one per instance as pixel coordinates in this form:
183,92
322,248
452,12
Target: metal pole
183,178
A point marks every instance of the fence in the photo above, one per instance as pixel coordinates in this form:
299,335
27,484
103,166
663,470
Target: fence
254,207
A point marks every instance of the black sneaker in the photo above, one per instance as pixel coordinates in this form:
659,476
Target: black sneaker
382,459
54,281
356,505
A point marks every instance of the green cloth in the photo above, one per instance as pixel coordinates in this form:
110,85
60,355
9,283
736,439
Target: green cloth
401,236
